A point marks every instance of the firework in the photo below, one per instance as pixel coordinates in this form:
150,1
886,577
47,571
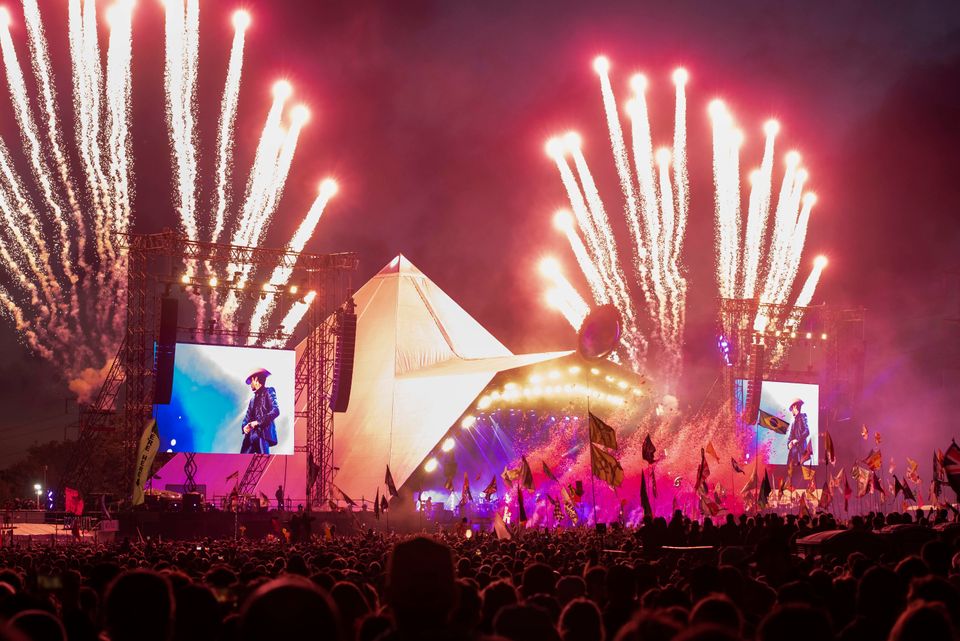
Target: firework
65,276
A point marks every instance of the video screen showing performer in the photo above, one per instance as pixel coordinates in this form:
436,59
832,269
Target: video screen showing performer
787,425
229,400
259,428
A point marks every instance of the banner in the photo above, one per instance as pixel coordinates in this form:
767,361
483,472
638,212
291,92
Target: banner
147,450
72,501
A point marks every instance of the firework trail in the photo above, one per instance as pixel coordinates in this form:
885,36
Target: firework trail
562,295
655,206
810,285
65,275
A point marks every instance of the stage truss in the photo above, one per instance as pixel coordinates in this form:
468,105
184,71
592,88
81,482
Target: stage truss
817,344
155,267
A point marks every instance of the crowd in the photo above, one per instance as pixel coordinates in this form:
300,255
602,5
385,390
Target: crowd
667,580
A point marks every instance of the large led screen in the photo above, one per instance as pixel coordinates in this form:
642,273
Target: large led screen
783,435
214,410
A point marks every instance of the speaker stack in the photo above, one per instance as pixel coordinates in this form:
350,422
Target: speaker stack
166,350
343,359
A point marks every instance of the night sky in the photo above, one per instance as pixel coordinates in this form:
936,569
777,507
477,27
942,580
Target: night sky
433,116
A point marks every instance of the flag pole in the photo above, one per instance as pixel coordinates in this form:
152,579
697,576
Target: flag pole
593,483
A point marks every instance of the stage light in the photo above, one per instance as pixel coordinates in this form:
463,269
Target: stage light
793,158
717,109
4,18
185,279
468,422
553,375
431,465
483,403
36,487
536,378
574,370
448,445
265,287
622,385
563,220
169,450
294,289
663,156
173,442
329,187
608,378
572,140
300,114
809,335
823,337
594,371
213,281
554,147
820,261
793,334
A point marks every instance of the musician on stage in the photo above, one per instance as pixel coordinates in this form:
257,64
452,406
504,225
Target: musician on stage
798,436
259,430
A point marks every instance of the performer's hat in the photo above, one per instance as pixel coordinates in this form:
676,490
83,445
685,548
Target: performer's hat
797,402
260,370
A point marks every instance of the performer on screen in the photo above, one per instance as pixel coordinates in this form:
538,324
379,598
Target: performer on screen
798,436
259,430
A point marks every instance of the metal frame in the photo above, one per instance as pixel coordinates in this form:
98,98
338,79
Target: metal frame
151,260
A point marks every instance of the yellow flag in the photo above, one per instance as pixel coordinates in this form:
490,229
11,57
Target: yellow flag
149,446
709,449
605,467
601,433
808,472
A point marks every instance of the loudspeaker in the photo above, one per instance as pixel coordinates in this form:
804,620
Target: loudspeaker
343,360
166,350
192,502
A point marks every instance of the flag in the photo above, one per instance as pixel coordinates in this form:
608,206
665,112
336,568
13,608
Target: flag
491,488
500,527
913,470
828,454
644,499
388,480
804,508
772,422
707,506
235,474
383,503
510,476
897,487
605,467
332,504
951,465
649,450
808,472
546,470
653,482
937,472
783,486
807,453
376,504
526,474
736,466
876,485
557,510
874,460
601,433
877,438
847,492
764,490
826,496
72,501
864,432
521,510
146,451
703,472
347,499
466,494
712,451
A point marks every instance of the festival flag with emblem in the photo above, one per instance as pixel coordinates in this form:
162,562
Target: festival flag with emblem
644,499
601,433
526,474
951,466
712,451
376,504
771,422
388,480
649,451
913,471
491,488
736,466
605,467
546,470
873,461
808,472
828,453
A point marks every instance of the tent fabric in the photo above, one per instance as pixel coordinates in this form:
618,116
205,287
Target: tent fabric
421,360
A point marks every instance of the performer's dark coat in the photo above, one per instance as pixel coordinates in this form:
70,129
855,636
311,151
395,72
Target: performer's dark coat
801,432
263,409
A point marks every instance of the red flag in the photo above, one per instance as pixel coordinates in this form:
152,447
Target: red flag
826,496
951,466
703,472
